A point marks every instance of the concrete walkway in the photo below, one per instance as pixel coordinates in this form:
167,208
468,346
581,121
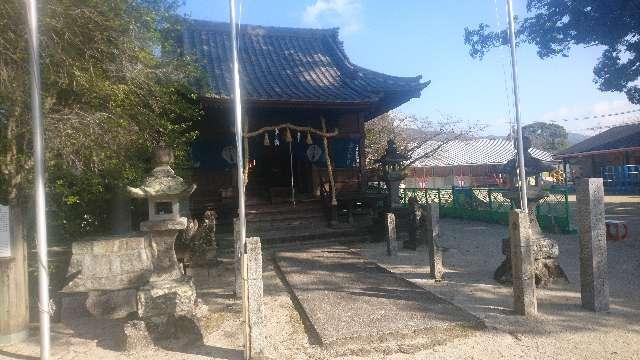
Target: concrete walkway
352,306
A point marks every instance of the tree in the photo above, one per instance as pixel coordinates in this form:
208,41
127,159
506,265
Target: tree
418,138
110,93
554,26
546,136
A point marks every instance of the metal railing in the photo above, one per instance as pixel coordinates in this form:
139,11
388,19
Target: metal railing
491,205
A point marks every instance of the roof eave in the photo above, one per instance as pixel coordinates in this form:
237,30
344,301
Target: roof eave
595,152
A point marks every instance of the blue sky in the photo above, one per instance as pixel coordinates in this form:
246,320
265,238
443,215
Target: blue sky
412,37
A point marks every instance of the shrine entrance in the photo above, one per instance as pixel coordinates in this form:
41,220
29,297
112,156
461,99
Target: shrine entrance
272,167
280,160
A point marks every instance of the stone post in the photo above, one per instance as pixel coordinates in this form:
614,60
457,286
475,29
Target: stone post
237,258
255,291
394,193
522,264
432,234
594,285
392,241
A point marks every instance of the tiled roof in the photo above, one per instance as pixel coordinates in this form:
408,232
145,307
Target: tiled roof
619,137
291,65
472,152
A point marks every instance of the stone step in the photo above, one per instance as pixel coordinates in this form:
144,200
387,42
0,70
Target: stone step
284,208
284,217
356,239
305,235
288,224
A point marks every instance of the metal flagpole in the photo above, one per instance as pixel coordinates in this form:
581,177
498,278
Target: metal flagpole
38,157
512,42
240,169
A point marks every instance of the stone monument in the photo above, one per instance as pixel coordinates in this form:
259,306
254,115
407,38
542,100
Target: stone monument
594,281
545,250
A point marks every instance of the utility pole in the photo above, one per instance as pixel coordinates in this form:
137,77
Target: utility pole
521,173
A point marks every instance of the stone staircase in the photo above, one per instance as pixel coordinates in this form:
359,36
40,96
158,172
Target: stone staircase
282,225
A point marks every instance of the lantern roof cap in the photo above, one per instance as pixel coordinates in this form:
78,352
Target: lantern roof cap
392,155
163,181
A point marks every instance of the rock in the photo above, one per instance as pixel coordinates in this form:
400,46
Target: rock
73,306
112,304
170,297
136,337
171,311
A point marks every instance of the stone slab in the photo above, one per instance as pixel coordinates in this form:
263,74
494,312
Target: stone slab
109,263
347,301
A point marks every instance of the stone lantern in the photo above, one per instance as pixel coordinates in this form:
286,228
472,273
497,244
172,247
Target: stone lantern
392,162
164,190
167,304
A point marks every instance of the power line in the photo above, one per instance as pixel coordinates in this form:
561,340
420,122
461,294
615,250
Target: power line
597,116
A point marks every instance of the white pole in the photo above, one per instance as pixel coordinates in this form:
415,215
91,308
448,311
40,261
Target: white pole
512,42
38,159
240,169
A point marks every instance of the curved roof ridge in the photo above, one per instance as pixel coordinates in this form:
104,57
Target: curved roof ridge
251,28
294,65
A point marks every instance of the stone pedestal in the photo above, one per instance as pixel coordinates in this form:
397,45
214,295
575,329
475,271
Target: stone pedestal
522,263
545,250
432,234
161,235
168,304
394,192
594,282
392,242
170,310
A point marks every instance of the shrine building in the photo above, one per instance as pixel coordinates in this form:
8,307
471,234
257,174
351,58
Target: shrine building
299,89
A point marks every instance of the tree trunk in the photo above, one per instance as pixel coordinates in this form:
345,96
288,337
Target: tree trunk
14,298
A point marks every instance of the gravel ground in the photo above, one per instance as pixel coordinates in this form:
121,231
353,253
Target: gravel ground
563,330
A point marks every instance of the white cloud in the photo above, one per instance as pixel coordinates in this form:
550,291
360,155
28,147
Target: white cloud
585,119
330,13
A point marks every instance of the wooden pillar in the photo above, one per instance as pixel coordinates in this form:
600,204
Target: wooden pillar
14,299
362,152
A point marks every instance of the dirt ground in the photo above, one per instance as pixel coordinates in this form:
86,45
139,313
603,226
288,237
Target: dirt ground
563,330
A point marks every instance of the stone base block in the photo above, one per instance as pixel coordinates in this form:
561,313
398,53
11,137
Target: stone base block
136,337
116,304
171,311
73,306
168,297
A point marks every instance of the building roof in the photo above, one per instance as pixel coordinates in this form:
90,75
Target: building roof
292,65
619,137
472,152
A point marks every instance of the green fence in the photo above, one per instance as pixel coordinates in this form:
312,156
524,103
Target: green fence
491,205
